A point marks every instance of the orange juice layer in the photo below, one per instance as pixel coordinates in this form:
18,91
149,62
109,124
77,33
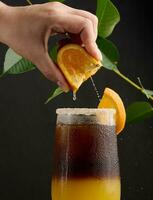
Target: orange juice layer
86,189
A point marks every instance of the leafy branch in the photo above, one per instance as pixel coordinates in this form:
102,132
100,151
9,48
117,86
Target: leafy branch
109,17
147,93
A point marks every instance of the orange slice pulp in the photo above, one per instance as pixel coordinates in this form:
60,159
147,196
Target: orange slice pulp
76,65
111,99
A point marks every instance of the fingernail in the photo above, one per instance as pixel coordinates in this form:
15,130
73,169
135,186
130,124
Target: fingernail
99,55
62,86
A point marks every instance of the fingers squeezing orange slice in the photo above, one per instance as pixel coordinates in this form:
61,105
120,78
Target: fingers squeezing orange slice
76,64
111,99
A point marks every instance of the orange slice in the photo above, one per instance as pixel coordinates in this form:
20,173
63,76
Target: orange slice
76,64
111,99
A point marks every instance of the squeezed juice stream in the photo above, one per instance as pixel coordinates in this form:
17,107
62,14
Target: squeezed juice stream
95,88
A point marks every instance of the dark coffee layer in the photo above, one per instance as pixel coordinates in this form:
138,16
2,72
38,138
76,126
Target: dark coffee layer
86,151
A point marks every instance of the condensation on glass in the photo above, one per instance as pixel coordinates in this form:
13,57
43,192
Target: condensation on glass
86,165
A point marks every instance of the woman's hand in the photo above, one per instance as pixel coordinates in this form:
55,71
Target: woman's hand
27,30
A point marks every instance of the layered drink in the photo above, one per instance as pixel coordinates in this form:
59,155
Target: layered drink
86,165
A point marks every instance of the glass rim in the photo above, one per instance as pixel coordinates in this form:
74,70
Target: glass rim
84,111
105,116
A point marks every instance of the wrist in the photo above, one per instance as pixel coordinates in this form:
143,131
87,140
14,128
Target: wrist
2,10
1,4
5,17
2,19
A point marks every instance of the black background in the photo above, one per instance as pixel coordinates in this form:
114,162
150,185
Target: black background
27,125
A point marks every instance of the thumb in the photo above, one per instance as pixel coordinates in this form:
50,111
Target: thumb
51,71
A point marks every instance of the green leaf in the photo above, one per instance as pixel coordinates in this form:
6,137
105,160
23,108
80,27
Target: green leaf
54,94
53,53
139,111
109,52
21,67
15,64
107,63
109,49
108,16
149,92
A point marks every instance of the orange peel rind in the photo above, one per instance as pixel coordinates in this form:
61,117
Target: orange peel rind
111,99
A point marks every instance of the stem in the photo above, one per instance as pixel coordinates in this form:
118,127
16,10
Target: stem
29,2
131,82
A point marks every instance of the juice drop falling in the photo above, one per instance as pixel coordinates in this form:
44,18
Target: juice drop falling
74,96
95,89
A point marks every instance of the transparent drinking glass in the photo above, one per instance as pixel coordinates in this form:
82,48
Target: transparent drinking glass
86,165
